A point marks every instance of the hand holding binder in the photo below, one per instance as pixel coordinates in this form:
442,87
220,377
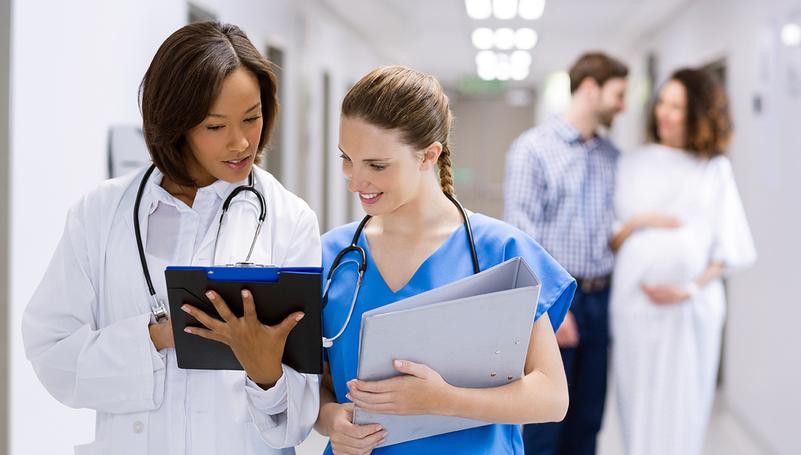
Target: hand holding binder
473,332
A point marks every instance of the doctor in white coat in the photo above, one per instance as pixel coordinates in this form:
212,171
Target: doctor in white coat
208,104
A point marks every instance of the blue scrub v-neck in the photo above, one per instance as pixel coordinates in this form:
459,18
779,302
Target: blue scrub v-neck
373,266
495,242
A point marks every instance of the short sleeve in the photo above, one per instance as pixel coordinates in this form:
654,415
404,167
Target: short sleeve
732,243
556,285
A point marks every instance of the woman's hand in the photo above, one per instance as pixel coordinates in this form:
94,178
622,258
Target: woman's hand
568,334
346,437
258,347
161,335
665,294
420,390
642,221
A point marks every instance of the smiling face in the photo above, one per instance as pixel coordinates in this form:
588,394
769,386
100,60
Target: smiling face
224,145
612,100
384,171
670,114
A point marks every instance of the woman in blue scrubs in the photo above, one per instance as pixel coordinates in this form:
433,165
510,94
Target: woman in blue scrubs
395,155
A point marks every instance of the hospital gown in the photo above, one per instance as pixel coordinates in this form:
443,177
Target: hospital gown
495,243
666,356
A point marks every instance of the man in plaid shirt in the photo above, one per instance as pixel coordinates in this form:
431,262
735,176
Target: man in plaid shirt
559,189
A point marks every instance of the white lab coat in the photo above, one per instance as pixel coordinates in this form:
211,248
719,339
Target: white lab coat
666,356
86,331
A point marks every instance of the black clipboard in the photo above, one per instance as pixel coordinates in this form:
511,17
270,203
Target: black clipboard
277,292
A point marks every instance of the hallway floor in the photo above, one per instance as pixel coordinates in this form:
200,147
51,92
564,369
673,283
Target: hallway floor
724,437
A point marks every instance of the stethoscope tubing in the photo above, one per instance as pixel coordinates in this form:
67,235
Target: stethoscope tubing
362,265
157,307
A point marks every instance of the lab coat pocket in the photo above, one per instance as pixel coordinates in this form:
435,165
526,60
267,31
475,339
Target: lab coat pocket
93,448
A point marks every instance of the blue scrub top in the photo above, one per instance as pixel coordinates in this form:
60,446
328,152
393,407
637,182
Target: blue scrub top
496,242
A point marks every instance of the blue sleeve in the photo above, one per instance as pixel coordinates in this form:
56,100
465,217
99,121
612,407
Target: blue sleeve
556,285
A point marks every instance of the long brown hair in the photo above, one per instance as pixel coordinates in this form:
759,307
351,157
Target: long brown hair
707,124
400,98
183,80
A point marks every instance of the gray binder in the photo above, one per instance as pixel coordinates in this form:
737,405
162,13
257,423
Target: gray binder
474,332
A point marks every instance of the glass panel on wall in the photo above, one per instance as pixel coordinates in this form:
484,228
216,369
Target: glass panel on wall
273,158
326,143
199,14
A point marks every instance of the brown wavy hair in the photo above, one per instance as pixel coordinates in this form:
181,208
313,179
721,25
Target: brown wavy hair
400,98
183,80
708,126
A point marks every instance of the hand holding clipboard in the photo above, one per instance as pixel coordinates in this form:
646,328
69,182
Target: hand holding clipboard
243,317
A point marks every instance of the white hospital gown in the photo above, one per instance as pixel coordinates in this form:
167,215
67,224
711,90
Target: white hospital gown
666,356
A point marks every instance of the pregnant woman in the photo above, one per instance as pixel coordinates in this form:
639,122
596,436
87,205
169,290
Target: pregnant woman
685,230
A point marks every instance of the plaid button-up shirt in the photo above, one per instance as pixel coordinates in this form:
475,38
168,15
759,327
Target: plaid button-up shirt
559,189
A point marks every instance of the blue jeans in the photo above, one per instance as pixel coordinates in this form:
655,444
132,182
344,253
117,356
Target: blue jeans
586,369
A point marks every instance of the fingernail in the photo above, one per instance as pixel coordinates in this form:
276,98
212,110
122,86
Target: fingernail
188,329
299,317
210,294
186,308
347,395
398,363
245,293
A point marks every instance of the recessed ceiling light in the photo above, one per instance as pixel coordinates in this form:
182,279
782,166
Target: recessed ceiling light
791,34
504,38
531,9
485,58
483,38
478,9
525,38
486,72
520,59
504,9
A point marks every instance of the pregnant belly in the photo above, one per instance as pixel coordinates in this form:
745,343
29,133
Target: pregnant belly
661,256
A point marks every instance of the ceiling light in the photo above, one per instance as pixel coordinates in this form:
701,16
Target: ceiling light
485,58
486,72
483,38
519,74
525,38
531,9
520,59
478,9
504,38
791,34
504,9
503,71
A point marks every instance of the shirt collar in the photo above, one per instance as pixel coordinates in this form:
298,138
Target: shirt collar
566,131
572,135
158,194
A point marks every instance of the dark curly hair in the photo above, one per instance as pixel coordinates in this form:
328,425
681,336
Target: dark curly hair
708,126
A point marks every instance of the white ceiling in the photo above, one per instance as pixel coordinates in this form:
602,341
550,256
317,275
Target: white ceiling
434,35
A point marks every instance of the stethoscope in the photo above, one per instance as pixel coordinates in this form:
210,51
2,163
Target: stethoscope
361,262
157,307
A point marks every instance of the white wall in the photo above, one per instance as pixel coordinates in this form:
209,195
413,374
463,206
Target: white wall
76,67
761,367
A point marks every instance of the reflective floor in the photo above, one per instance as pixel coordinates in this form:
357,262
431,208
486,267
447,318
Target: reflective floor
724,437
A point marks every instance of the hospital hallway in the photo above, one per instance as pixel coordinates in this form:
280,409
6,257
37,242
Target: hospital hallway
70,119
